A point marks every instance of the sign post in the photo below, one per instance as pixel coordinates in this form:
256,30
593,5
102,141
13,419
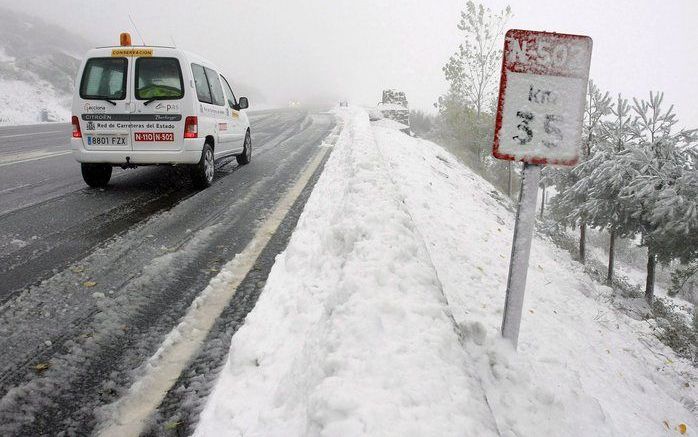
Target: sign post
539,121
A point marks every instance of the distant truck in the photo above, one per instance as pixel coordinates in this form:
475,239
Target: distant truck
394,106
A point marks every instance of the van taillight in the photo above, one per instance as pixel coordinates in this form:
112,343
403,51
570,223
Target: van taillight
191,127
77,133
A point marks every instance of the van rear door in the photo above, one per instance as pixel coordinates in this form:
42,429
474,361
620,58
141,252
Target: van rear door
106,103
158,91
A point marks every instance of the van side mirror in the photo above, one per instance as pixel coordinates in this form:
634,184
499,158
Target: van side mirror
243,103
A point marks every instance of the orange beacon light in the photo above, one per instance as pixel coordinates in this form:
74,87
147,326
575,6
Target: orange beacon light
125,39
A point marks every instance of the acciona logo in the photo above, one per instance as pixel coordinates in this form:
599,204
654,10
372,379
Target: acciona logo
94,108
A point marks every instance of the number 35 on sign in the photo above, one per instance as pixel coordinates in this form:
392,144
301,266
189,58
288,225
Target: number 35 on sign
541,97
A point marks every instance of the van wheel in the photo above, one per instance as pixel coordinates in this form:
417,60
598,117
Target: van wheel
202,172
96,175
246,156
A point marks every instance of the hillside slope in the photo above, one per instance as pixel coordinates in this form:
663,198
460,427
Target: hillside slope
382,318
38,62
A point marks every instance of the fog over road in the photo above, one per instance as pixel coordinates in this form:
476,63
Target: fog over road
91,281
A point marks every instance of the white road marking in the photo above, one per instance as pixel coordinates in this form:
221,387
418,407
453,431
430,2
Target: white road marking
183,342
65,131
30,156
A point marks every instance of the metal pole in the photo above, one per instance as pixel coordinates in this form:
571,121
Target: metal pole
520,251
509,187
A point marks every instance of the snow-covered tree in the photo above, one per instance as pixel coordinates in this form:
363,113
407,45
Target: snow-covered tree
477,61
684,281
573,184
664,186
472,75
609,176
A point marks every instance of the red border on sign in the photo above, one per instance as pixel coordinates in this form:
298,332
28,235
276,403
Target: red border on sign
530,34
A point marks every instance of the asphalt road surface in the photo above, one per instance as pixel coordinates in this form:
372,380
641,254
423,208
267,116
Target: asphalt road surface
93,280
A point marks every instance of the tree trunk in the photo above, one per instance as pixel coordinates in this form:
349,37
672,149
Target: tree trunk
611,257
651,263
582,241
542,203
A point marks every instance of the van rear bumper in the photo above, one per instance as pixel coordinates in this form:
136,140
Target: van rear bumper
191,154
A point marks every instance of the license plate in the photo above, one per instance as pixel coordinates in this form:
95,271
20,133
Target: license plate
106,140
153,136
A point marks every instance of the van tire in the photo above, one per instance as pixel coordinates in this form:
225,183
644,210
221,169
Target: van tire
202,173
96,175
246,156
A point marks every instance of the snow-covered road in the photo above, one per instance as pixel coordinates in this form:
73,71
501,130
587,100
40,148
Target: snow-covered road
92,281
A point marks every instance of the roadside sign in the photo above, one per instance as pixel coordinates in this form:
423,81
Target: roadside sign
539,121
541,97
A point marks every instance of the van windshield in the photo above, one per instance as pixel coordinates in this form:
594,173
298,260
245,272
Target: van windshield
104,78
159,79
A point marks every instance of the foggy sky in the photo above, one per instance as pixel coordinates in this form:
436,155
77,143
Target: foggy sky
324,50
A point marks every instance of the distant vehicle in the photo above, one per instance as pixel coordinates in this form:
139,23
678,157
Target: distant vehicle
155,105
48,116
293,103
343,104
394,106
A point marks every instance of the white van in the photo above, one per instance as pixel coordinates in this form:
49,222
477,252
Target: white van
155,105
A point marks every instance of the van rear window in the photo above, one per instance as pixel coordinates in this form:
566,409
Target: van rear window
104,78
159,78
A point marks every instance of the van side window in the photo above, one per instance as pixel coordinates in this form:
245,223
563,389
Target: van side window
104,78
202,89
216,88
232,101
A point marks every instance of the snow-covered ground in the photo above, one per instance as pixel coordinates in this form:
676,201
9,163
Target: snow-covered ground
390,124
22,102
382,318
38,62
637,276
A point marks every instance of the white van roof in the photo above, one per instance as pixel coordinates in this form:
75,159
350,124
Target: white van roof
192,57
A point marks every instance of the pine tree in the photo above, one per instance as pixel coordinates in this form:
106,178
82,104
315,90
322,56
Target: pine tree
597,106
573,184
663,186
674,216
604,208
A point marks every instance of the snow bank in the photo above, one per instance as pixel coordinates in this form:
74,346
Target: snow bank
389,124
352,334
382,318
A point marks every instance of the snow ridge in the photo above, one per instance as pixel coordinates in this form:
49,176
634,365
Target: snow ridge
352,334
